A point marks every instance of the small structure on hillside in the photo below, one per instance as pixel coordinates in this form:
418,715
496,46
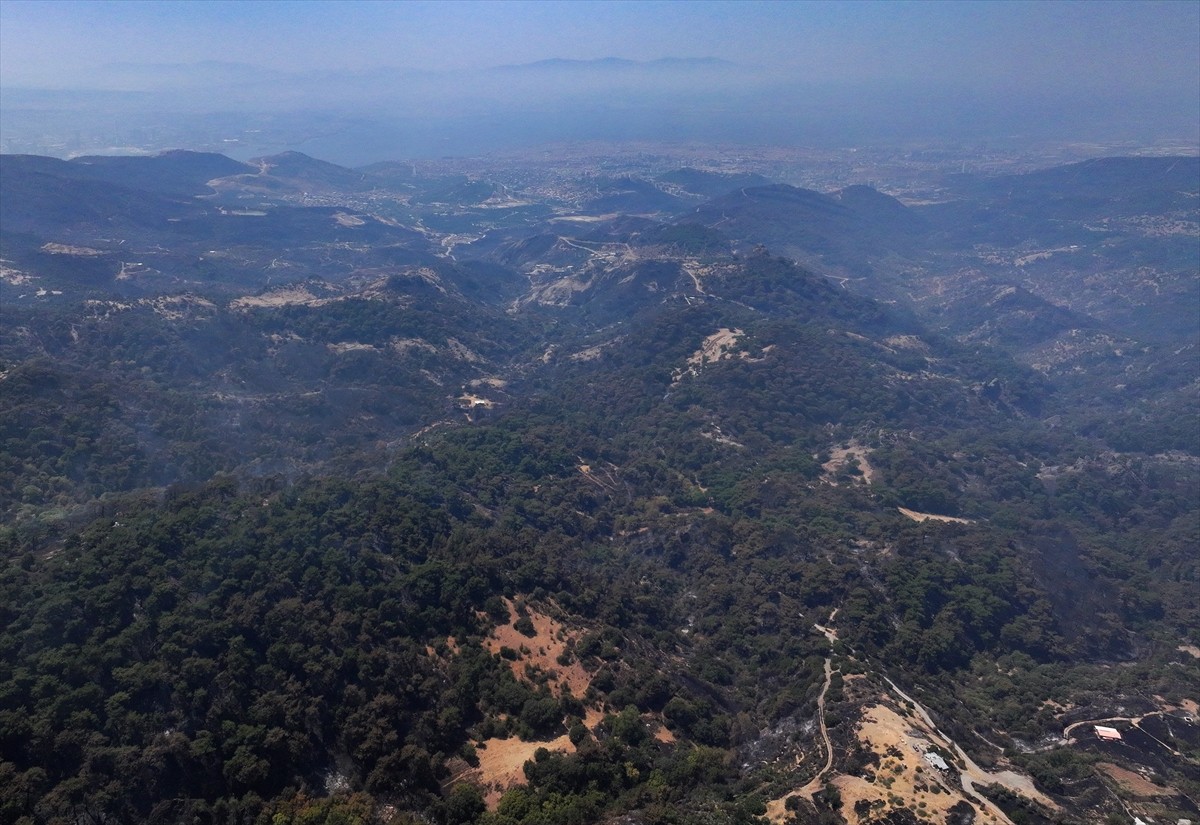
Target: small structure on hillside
936,760
1108,734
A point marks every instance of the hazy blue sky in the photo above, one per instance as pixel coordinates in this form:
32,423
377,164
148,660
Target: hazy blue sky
333,77
1138,45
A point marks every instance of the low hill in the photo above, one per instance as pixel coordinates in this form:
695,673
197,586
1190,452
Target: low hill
710,184
631,195
44,197
850,231
176,172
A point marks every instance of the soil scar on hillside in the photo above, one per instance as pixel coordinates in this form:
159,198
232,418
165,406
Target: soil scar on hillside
840,457
916,516
542,650
903,779
502,761
502,764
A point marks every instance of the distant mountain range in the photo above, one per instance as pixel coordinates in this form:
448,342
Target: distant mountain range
619,63
389,113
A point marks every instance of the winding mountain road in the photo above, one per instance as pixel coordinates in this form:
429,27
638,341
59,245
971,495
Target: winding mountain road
777,809
1015,782
815,783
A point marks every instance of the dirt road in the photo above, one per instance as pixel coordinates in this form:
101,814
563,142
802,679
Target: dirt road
815,784
973,774
777,809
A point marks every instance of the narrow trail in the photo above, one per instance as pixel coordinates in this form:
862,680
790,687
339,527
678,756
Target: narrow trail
828,629
814,784
777,809
569,242
690,268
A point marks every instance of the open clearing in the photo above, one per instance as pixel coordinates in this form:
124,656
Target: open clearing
716,347
840,457
901,780
67,249
501,761
1134,783
501,764
972,773
902,776
541,651
280,297
469,400
719,346
12,276
916,516
904,779
490,381
585,218
350,346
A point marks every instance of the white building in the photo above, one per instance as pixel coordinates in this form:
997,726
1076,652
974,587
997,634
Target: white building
935,760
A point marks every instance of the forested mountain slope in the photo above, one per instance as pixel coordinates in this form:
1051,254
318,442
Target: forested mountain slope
394,509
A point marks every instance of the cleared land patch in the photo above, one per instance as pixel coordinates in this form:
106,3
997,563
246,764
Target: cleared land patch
916,516
903,778
469,400
719,346
542,650
67,249
502,763
1134,783
841,458
278,298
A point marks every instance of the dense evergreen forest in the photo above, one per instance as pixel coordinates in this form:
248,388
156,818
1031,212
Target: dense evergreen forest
332,559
